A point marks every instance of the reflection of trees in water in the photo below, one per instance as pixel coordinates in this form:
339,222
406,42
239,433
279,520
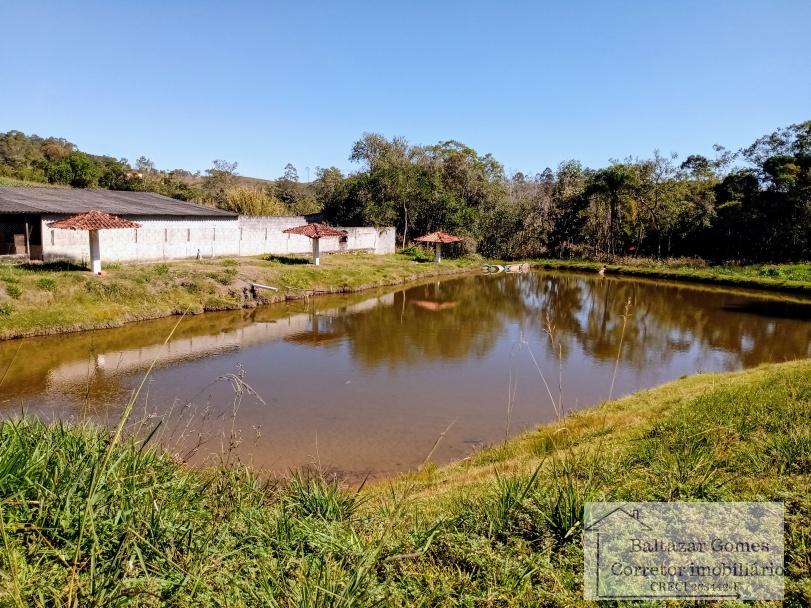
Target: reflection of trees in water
556,301
588,313
451,319
465,317
664,319
691,315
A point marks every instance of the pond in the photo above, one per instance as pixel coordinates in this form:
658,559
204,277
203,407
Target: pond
379,382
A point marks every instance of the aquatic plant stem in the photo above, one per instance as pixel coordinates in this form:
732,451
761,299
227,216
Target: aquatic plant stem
619,349
436,443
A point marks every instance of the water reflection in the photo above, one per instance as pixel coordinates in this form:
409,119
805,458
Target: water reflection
376,377
427,322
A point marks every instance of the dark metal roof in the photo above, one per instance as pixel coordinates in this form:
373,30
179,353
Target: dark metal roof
35,200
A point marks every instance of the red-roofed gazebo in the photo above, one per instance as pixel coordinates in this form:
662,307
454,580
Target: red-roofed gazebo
93,221
438,238
316,232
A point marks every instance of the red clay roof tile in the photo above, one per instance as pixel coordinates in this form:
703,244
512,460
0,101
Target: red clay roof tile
315,231
438,237
93,220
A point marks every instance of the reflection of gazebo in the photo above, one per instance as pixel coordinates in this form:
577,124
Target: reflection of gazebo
438,238
315,231
435,306
93,221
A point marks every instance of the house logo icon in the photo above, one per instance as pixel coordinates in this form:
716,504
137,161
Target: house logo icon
620,518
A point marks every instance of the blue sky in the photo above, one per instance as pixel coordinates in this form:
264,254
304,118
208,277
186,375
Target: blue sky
534,83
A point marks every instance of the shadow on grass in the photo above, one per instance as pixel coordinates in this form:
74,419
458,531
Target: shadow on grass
58,266
282,259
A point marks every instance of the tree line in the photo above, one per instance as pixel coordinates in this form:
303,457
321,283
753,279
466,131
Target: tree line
52,160
753,204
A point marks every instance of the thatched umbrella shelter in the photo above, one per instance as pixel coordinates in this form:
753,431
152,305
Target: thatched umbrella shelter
93,221
316,231
438,238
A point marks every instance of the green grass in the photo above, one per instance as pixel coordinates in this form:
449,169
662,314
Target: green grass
52,298
501,528
418,254
58,297
795,278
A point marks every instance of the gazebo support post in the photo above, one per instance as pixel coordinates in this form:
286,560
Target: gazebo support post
316,252
314,232
95,252
438,238
93,221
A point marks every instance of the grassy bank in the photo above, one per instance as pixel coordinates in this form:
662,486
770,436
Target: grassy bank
57,298
793,278
126,525
44,299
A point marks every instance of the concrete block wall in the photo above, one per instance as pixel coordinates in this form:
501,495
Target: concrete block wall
174,238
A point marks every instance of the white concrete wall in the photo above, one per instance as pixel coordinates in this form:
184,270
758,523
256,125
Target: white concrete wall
169,238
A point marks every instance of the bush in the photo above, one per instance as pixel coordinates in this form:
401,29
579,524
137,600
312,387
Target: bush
46,283
14,290
309,495
418,254
223,277
253,201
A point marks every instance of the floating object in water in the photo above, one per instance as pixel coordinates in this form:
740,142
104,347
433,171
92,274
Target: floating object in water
490,268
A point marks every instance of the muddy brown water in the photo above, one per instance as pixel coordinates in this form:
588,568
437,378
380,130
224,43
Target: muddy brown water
367,383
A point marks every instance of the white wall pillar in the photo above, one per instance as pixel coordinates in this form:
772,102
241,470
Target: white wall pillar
438,252
95,252
316,252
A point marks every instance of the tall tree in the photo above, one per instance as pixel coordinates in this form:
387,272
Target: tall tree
221,176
